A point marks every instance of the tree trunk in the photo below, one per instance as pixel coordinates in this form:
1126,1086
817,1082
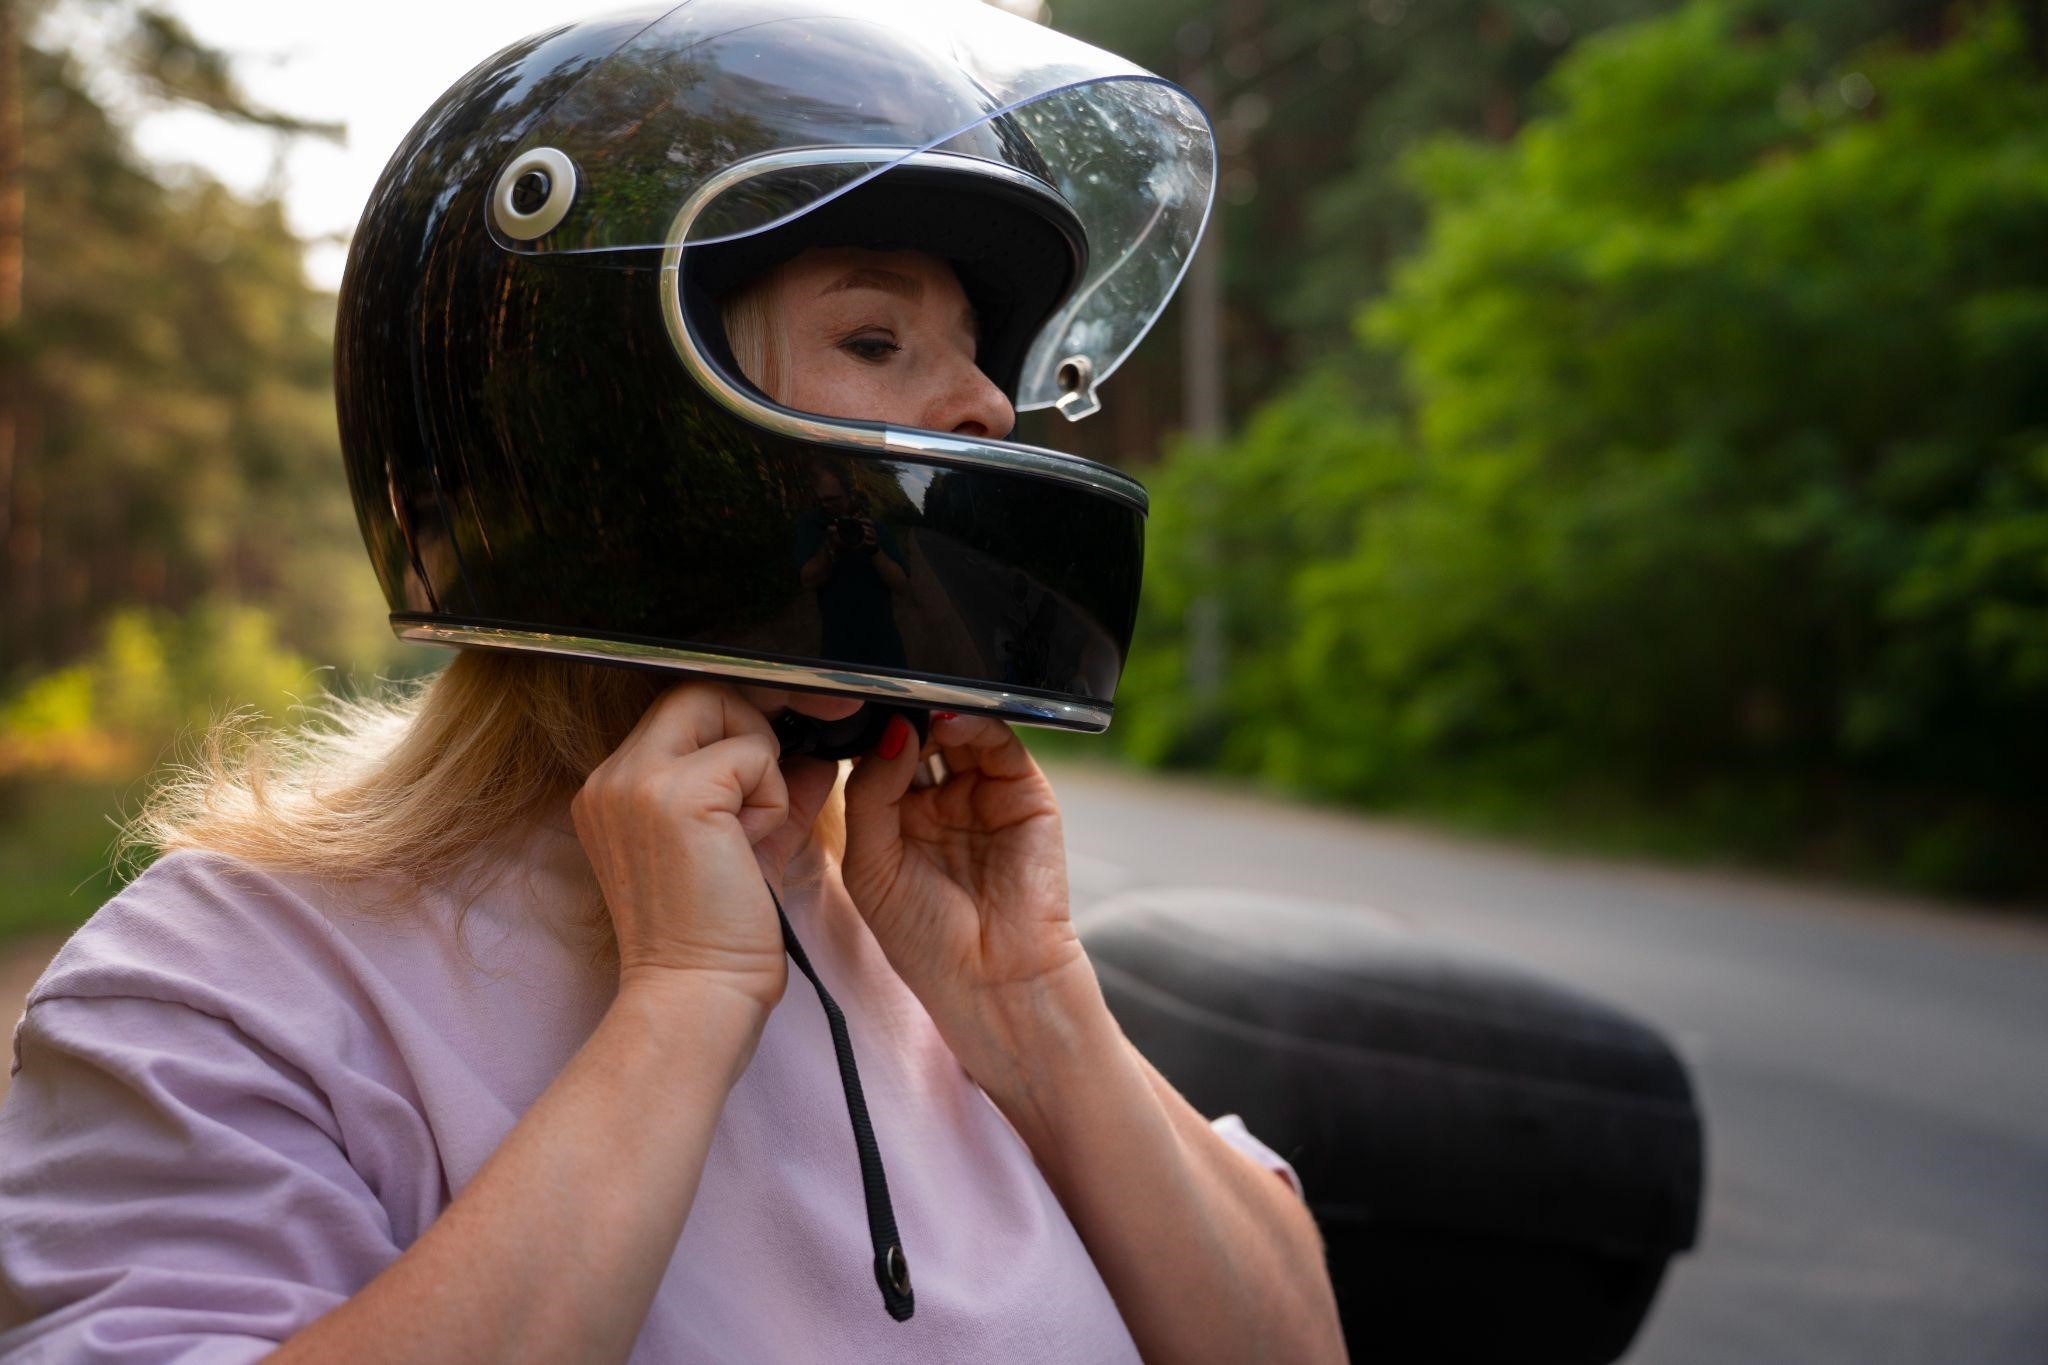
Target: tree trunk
17,540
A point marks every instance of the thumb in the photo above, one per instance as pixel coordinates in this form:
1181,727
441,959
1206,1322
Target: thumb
874,813
810,782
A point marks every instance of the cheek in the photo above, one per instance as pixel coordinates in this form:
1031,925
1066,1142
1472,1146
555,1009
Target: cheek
838,385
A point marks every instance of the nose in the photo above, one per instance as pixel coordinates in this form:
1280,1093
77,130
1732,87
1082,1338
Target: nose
973,405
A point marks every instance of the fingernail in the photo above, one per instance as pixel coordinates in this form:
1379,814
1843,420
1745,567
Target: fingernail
893,736
944,715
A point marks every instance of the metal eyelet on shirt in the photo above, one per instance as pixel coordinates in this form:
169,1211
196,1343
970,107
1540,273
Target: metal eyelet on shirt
898,1269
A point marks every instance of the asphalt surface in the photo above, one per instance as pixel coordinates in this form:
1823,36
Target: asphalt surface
1874,1071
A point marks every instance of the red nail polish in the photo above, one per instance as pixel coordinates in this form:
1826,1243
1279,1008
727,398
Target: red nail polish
944,715
892,737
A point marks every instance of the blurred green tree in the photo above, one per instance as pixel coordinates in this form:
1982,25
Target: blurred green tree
1725,484
171,497
1316,105
166,421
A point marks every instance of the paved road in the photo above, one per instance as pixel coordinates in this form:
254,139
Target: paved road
1874,1071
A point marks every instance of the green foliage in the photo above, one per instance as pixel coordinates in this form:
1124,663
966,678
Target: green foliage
73,742
56,853
151,676
1726,471
168,456
57,705
167,389
1233,524
1316,104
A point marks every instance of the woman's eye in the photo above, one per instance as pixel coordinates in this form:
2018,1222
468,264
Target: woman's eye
872,349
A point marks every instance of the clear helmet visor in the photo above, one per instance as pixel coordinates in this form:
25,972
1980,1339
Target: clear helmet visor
726,118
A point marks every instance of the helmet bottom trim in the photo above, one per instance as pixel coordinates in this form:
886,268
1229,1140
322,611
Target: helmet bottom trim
1024,707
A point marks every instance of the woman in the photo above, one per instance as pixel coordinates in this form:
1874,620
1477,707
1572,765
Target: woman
461,1029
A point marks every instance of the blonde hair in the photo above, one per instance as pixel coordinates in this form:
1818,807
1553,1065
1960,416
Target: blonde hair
752,329
416,782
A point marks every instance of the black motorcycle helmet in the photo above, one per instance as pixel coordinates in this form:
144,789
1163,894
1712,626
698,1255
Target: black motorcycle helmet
551,449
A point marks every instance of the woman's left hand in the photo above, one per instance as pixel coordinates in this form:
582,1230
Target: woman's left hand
964,884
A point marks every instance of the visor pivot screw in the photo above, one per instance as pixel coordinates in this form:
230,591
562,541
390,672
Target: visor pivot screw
1077,399
532,193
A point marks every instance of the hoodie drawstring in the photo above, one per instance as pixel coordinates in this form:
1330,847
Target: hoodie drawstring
892,1271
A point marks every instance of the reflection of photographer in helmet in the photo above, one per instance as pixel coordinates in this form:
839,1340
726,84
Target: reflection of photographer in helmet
460,1025
855,568
833,540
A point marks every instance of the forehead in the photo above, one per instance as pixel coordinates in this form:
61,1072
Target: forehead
918,275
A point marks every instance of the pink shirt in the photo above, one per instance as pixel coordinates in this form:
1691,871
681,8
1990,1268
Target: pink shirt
236,1101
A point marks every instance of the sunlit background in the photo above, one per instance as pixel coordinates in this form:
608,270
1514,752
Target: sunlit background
1618,426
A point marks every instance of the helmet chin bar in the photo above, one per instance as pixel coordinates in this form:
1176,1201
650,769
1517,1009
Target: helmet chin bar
934,446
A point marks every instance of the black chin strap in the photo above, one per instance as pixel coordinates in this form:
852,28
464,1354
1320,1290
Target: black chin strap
892,1271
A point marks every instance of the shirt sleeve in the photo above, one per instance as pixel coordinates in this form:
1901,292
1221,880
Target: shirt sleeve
1232,1130
170,1189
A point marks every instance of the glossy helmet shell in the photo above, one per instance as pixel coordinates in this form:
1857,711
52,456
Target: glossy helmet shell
557,456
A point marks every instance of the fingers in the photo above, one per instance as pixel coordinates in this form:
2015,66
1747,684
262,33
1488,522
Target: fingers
700,748
737,776
879,781
759,794
874,817
691,715
980,742
968,743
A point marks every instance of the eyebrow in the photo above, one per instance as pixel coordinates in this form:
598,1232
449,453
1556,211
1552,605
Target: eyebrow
892,282
873,277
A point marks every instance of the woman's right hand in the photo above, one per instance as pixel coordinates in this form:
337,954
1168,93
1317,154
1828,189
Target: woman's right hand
670,822
556,1248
